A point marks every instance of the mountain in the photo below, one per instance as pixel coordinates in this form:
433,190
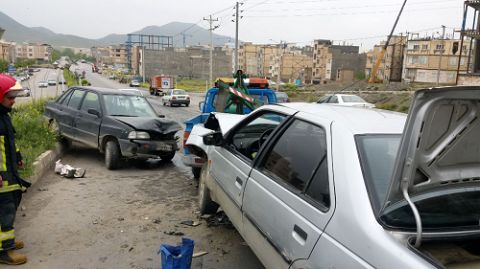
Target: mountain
193,34
17,32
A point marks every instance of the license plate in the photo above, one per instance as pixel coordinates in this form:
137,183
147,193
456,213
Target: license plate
164,147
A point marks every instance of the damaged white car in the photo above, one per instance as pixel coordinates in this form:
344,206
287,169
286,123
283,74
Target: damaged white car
325,186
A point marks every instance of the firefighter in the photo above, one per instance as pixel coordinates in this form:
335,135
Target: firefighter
11,185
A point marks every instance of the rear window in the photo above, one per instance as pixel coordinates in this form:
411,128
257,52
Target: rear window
352,99
179,92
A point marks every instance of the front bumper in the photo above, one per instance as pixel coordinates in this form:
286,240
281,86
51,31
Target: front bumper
144,149
180,102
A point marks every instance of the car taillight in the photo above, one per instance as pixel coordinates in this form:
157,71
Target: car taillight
185,137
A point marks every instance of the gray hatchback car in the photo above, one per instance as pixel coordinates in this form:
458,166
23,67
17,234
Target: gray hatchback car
328,186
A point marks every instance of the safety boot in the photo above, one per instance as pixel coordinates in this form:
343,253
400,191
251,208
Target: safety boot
19,244
12,257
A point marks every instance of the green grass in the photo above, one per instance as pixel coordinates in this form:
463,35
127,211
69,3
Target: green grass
70,78
192,85
33,136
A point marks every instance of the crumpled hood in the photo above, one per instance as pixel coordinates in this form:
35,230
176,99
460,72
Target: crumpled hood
159,125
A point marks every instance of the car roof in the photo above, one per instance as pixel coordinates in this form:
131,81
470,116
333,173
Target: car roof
103,90
358,120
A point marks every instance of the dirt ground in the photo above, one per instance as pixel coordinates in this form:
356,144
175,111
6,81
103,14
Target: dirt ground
118,219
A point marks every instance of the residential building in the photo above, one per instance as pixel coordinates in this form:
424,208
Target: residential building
328,59
111,55
35,51
391,66
430,60
101,54
258,59
470,75
294,66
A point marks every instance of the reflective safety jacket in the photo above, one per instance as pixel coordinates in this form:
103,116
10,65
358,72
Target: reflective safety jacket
9,155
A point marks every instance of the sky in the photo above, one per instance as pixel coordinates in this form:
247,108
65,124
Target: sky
357,22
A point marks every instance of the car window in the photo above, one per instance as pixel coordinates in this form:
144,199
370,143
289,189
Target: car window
334,99
261,98
64,97
128,106
299,159
248,139
179,92
91,101
76,98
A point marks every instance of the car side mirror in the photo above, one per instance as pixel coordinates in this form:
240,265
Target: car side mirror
93,112
200,105
213,139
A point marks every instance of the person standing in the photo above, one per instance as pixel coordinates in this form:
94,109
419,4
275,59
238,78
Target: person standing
11,184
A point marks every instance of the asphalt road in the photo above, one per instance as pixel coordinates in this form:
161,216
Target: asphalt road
118,219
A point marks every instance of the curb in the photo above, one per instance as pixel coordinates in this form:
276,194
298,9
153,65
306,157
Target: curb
43,163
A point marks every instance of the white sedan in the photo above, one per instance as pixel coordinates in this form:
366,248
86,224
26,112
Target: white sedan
176,97
345,100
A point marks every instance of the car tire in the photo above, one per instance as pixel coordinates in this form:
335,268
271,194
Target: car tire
168,157
112,155
205,203
196,171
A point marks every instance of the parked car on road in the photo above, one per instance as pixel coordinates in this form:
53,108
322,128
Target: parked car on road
176,97
25,93
323,186
345,100
42,84
52,82
134,83
133,91
119,124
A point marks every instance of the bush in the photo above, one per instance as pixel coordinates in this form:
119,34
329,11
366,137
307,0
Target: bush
33,137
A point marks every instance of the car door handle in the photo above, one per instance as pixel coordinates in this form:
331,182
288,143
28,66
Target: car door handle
299,234
238,182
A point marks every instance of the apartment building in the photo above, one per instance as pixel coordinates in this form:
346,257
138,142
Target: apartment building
434,60
391,66
258,59
42,52
111,55
7,51
294,65
329,60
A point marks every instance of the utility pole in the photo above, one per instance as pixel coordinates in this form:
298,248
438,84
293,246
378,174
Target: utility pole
211,20
236,35
441,53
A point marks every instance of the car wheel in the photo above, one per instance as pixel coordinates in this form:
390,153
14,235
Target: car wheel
112,155
196,171
205,203
168,157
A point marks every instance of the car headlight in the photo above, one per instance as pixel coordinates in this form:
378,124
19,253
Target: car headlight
138,135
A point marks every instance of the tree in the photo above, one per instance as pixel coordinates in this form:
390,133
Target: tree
56,54
23,62
3,66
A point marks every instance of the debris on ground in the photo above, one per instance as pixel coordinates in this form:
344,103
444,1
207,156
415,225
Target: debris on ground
23,208
190,223
42,189
121,219
199,254
124,246
177,233
68,171
156,221
219,219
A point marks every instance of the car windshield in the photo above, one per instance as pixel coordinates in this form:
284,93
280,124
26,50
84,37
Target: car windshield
460,207
179,92
352,99
128,106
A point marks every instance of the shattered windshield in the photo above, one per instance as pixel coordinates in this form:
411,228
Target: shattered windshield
128,106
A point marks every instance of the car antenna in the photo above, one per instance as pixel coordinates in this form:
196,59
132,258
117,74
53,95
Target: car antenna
339,91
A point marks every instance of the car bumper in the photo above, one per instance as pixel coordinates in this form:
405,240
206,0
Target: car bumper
144,149
180,102
192,160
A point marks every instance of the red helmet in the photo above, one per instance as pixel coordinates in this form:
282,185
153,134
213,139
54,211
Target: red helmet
7,84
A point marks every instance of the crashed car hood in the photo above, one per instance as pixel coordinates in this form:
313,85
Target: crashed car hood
440,146
227,120
159,125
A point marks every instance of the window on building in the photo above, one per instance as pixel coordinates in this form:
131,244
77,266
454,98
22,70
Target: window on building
423,59
425,47
416,47
453,60
439,47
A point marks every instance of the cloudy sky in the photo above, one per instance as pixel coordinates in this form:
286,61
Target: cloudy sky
359,22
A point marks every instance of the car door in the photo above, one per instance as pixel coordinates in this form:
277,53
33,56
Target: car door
88,125
288,199
231,164
70,113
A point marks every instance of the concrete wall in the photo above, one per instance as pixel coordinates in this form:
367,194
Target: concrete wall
189,63
468,80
